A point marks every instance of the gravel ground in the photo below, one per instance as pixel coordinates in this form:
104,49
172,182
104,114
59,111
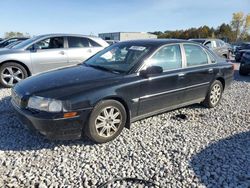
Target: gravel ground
208,148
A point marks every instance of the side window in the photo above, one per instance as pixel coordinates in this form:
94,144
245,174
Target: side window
195,55
50,43
168,57
93,43
78,42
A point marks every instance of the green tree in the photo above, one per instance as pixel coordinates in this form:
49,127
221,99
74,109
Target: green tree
15,34
224,31
240,25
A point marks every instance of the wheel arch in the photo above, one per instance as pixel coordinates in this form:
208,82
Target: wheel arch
222,80
18,62
124,103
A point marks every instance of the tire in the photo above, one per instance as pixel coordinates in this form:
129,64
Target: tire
213,97
225,56
9,79
100,134
242,72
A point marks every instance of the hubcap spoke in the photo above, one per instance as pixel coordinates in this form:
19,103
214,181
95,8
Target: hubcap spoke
103,130
106,114
108,131
17,73
116,121
100,125
116,114
17,79
10,70
114,127
11,81
6,75
101,118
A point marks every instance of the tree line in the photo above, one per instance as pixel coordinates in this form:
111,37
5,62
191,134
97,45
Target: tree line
236,31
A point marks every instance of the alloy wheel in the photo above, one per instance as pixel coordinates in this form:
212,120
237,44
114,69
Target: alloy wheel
215,94
12,75
108,121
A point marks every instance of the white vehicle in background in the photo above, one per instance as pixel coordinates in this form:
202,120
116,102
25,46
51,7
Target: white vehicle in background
46,52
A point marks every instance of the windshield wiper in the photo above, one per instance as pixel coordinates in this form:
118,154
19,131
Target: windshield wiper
103,68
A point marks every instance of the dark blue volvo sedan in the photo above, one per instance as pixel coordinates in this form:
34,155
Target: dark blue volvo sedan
123,83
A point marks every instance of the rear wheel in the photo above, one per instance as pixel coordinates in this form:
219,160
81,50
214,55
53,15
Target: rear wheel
214,94
106,121
11,74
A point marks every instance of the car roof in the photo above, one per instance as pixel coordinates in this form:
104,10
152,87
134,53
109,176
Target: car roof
156,42
66,35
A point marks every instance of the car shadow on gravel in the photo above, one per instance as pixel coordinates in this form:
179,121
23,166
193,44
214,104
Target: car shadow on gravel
15,137
225,163
240,78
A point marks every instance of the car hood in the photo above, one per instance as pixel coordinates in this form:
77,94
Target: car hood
5,51
60,84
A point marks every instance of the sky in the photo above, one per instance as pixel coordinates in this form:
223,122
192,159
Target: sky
97,16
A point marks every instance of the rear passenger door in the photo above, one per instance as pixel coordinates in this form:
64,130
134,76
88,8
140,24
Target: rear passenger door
80,49
198,73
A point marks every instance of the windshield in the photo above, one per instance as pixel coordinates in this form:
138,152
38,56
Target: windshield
11,45
3,41
120,57
25,43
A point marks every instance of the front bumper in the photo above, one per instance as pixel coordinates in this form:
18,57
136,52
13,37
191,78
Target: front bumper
51,127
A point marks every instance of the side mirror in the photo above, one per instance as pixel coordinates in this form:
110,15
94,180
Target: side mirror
151,71
34,48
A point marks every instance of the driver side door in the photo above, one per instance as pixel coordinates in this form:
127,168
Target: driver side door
48,54
163,91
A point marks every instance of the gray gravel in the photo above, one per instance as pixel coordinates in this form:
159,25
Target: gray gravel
210,148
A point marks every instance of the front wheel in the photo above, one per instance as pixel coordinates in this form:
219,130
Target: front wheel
11,74
106,121
214,94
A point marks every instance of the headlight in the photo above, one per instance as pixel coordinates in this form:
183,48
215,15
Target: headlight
45,104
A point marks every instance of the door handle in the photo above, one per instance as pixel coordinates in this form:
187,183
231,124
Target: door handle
181,75
89,50
211,70
62,52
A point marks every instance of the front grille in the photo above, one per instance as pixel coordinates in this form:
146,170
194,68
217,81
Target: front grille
16,98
